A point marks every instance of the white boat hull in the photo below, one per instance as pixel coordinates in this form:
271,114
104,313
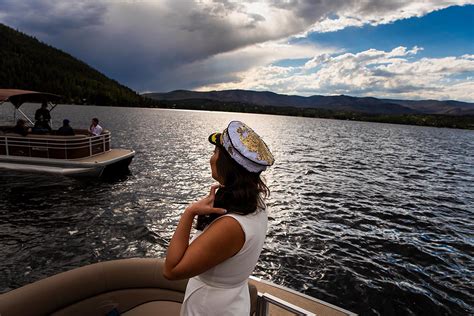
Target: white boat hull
90,166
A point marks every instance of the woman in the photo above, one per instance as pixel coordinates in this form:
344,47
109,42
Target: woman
95,129
231,223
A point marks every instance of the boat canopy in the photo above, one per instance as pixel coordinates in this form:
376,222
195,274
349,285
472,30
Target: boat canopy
18,97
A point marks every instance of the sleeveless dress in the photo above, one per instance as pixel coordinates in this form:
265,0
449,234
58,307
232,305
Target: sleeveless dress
223,290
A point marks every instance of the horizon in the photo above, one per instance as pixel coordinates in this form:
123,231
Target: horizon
409,50
308,96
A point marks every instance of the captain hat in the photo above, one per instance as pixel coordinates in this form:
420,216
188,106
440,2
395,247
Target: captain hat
244,146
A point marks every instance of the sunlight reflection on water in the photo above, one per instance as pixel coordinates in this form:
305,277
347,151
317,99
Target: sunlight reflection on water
376,218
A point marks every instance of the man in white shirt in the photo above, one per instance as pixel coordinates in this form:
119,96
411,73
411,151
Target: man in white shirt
95,128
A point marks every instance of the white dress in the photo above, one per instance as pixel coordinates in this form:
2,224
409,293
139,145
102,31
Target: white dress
223,290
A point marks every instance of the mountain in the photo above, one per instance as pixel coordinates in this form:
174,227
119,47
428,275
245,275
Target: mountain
26,63
334,103
449,107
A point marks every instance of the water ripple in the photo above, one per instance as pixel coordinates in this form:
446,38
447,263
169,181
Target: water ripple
376,218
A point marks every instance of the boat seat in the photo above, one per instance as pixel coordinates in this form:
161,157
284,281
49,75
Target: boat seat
155,308
173,308
134,287
95,290
127,302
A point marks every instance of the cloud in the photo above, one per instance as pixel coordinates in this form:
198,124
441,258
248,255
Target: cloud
160,45
372,72
340,14
226,67
50,16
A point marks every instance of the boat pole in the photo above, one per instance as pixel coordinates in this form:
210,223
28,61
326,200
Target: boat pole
26,116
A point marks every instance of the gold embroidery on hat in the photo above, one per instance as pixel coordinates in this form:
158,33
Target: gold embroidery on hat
254,144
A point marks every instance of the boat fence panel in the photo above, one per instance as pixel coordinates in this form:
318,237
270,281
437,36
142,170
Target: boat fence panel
54,147
3,146
265,299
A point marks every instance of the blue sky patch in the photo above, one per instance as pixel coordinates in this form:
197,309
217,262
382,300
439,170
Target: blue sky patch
448,32
298,62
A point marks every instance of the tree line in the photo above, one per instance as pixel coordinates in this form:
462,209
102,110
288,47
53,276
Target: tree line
464,122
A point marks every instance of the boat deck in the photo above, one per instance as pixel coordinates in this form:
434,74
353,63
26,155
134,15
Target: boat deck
106,156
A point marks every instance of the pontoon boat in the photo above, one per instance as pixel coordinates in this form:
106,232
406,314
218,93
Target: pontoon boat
80,155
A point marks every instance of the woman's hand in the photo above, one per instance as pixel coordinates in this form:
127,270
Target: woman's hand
205,205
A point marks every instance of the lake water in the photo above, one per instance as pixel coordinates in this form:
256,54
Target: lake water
375,218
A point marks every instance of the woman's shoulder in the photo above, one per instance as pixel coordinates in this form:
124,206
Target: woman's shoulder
259,216
226,220
227,227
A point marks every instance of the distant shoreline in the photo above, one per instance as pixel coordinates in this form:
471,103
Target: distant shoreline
432,120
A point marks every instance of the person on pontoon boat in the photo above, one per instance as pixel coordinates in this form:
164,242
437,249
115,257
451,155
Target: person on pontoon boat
43,118
95,129
231,227
66,129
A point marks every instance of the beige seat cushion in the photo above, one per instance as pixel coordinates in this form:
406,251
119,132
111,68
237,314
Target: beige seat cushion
155,308
122,300
94,290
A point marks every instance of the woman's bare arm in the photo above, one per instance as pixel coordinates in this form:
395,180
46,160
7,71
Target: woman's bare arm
221,240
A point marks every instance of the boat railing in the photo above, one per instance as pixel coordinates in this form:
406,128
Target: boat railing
264,301
54,146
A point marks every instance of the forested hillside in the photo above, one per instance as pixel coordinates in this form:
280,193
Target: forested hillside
26,63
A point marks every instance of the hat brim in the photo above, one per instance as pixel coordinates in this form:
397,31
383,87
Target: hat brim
215,139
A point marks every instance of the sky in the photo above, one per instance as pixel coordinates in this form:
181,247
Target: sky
404,49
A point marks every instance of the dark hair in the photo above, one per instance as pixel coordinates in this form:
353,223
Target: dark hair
95,119
243,192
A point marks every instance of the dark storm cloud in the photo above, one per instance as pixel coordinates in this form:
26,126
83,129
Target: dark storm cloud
156,45
49,17
143,45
